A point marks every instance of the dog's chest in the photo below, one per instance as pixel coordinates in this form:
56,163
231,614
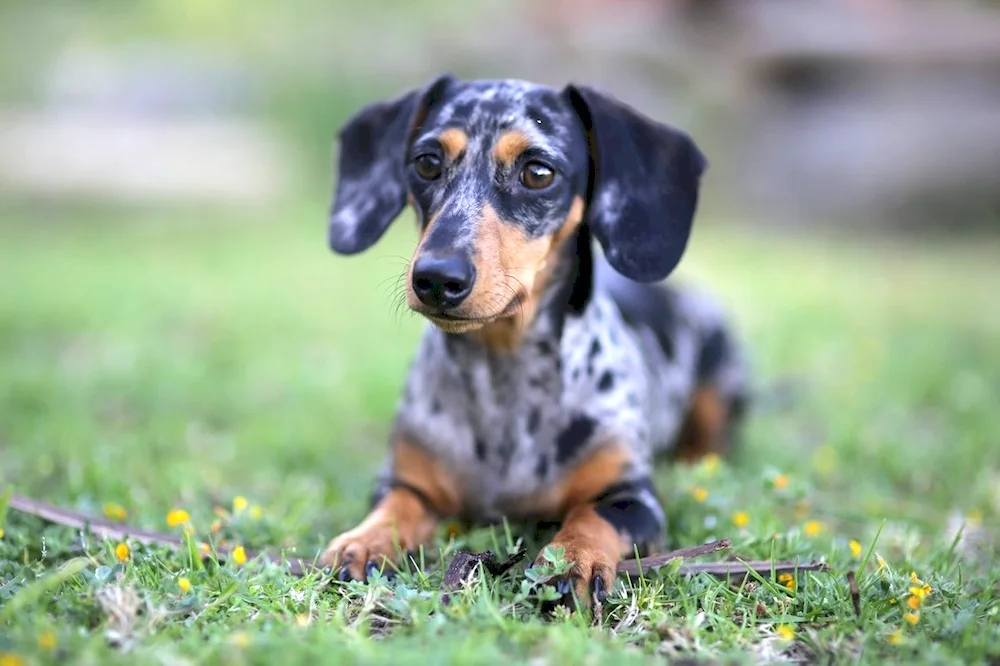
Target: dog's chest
514,409
512,426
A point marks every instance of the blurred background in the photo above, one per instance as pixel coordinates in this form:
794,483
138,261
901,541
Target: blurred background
172,325
832,110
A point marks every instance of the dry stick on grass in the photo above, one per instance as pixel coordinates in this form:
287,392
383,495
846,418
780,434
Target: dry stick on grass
852,581
106,529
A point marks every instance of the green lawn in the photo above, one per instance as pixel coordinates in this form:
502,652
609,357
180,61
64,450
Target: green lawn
177,359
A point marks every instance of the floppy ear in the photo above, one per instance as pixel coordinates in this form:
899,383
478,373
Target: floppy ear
643,187
371,186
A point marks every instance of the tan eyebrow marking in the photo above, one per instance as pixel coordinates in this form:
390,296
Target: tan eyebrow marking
510,145
454,142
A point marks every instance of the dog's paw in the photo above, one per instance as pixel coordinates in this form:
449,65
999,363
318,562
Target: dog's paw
589,580
356,554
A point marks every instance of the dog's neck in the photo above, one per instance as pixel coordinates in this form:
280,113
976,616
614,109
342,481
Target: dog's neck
563,289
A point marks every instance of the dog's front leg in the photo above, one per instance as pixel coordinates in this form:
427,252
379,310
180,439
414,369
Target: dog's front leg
597,535
411,503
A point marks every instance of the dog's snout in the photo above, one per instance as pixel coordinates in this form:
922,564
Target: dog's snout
443,281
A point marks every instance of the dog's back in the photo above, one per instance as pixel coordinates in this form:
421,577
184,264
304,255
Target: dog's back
681,316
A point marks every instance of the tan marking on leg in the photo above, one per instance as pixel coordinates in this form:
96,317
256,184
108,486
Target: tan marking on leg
454,142
704,426
589,478
401,518
594,546
414,466
509,146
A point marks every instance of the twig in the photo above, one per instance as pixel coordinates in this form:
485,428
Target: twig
761,567
852,581
652,562
296,566
97,526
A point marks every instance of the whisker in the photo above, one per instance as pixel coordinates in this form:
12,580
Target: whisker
518,300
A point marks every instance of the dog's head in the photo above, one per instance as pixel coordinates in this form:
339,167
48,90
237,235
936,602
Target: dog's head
500,174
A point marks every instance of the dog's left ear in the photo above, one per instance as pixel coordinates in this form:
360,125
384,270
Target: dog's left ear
371,186
643,186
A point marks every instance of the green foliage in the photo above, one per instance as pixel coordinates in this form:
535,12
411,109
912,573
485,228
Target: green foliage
164,360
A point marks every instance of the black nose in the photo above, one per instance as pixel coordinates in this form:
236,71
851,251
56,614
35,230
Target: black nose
443,282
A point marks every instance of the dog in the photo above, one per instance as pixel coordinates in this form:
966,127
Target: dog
551,375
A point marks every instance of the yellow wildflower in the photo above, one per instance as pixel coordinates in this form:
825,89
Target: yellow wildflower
813,527
919,587
8,659
122,552
895,638
786,631
781,482
912,618
913,602
240,639
47,640
115,511
178,517
788,580
1,532
741,519
184,584
303,620
215,526
699,494
855,547
711,462
240,504
204,549
239,555
255,512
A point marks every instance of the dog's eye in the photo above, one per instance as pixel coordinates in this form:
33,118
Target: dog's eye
427,166
536,175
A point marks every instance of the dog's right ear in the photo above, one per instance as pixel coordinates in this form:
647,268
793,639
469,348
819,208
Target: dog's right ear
371,186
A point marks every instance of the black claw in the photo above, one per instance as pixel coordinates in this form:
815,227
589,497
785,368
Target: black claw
600,591
344,574
371,568
565,588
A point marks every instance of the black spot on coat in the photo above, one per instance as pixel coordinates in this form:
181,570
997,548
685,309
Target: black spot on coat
534,420
542,468
573,436
606,382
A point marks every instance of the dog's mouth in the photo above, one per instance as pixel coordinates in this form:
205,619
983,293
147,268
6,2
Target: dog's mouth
460,323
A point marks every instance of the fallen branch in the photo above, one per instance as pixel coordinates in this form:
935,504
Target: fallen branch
100,527
653,562
852,582
298,566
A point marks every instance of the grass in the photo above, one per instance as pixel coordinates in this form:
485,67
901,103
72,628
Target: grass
156,360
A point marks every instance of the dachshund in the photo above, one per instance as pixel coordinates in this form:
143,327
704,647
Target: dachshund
555,367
